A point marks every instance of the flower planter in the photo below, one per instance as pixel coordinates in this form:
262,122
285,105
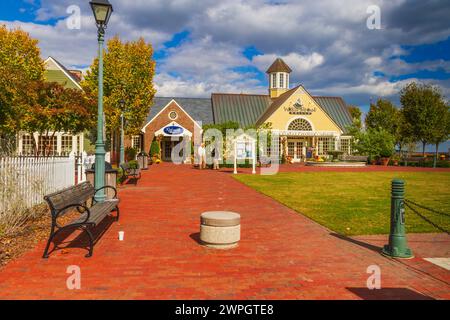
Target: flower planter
385,161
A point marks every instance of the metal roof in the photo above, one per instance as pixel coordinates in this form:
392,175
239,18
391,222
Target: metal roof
250,110
279,66
337,109
198,108
244,109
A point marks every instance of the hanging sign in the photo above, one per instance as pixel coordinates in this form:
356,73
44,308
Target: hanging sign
173,130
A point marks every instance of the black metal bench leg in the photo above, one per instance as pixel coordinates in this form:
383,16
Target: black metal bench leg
50,239
91,243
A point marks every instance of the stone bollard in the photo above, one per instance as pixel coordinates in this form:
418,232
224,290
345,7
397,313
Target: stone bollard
398,246
220,229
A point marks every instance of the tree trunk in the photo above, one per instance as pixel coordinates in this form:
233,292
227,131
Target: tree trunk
423,149
436,155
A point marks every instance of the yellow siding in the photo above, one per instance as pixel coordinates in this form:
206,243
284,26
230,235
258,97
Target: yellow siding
320,121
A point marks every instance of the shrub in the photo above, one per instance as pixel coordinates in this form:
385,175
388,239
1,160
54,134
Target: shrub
155,149
376,143
133,164
130,153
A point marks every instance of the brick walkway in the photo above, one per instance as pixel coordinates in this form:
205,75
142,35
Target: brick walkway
283,255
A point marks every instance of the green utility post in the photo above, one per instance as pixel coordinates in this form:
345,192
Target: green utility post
102,10
99,180
398,245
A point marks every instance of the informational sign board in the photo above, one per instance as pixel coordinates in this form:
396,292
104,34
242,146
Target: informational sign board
244,148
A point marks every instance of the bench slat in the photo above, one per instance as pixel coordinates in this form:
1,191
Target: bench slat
74,195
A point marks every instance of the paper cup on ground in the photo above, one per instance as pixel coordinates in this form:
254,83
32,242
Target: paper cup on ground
121,235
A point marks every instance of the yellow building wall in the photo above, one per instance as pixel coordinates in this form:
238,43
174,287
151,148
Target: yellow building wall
320,121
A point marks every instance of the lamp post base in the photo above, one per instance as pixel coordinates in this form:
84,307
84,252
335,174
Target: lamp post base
396,252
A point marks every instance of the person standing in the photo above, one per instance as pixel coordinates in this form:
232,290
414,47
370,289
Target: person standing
215,155
202,156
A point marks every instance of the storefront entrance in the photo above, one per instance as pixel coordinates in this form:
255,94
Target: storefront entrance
297,149
167,146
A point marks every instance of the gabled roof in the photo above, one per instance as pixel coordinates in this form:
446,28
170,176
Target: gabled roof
61,75
198,109
244,109
274,106
279,66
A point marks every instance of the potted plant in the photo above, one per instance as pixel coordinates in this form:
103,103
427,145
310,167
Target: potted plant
395,160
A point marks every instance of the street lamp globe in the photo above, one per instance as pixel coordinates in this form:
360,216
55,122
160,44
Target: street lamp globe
102,12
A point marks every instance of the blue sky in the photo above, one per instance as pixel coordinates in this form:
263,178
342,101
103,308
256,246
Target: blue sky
204,46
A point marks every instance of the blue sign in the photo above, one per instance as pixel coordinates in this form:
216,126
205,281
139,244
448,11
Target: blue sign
173,130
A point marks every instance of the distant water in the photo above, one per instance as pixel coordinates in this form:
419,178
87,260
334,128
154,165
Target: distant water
443,147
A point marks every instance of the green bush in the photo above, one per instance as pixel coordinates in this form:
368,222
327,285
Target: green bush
154,149
426,164
130,153
375,143
133,164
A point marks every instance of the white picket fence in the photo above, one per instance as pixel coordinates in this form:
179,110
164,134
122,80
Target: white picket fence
30,179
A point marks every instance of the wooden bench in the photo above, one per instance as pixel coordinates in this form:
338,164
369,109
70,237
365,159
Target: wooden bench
76,199
128,172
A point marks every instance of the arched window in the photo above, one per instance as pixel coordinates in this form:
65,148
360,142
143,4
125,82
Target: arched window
300,125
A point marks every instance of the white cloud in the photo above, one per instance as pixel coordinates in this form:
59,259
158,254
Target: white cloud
300,64
326,43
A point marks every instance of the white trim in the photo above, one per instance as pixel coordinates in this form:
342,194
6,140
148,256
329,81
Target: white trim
166,106
64,71
185,133
300,117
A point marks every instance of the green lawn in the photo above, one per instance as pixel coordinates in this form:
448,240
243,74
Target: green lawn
357,203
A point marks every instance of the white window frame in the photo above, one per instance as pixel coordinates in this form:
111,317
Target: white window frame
133,143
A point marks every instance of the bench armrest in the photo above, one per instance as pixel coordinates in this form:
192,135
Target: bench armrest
78,206
107,187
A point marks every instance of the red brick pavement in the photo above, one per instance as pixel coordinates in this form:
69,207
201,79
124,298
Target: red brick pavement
282,255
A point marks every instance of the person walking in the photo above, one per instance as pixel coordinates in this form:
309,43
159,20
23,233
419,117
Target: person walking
202,156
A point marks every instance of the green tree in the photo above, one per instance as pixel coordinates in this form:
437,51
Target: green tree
20,67
356,114
128,75
375,143
441,129
423,110
384,114
57,109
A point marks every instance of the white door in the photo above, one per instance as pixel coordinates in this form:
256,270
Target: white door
295,149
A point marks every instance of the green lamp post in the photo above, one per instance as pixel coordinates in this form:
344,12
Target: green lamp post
122,147
102,12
